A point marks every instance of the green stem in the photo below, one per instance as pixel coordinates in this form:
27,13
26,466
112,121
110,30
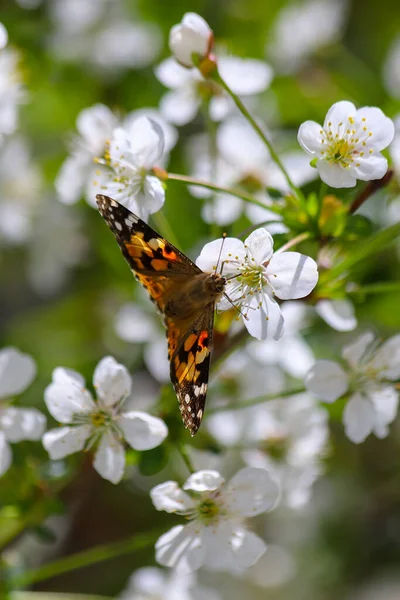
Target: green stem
213,152
260,132
86,558
165,228
257,400
224,190
296,240
186,458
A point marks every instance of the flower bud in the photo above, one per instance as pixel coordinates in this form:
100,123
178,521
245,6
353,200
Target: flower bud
192,36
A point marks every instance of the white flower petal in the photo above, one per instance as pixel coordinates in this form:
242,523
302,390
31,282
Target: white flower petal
358,418
171,74
180,547
132,324
95,124
66,396
387,359
112,381
251,492
191,36
204,481
5,454
146,142
180,106
247,548
109,460
22,423
142,431
65,440
260,245
208,257
217,541
335,176
17,371
370,167
386,403
381,126
3,36
357,351
245,76
309,137
292,275
338,114
327,380
265,321
338,314
168,496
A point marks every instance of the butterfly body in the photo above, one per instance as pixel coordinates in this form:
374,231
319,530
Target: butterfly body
183,294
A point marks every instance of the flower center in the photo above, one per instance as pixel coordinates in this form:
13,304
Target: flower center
340,151
276,447
252,276
99,419
208,510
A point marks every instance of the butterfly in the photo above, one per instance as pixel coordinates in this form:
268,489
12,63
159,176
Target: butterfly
184,294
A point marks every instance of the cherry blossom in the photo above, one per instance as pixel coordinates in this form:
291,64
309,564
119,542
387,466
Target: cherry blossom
347,147
367,380
216,537
101,422
256,276
17,371
192,36
151,583
133,152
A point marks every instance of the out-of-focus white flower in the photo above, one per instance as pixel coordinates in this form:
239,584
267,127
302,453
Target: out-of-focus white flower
189,89
338,314
244,162
151,583
291,436
99,34
275,568
391,69
192,36
371,369
3,37
103,422
20,183
256,275
95,126
135,325
57,227
394,148
17,371
348,145
301,29
11,91
131,157
216,537
169,131
291,352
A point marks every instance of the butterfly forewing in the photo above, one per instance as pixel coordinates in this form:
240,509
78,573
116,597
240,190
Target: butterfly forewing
183,294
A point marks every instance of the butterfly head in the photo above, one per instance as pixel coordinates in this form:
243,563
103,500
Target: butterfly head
216,284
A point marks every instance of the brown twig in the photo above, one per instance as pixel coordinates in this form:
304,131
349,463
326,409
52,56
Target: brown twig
369,190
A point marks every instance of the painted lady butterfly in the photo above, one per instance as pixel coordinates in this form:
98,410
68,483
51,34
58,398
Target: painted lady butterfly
183,293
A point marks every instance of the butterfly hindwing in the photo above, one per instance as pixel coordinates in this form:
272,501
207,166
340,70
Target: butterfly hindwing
189,352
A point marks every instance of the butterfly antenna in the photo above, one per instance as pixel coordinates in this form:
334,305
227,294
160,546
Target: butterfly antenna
224,235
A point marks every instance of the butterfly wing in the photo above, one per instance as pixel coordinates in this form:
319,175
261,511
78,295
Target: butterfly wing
156,263
189,348
162,269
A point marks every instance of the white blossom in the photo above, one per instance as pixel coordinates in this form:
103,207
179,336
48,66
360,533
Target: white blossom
347,147
20,187
303,28
3,36
192,36
189,89
11,90
391,69
256,276
17,371
367,379
338,314
132,154
216,537
152,583
102,422
95,126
